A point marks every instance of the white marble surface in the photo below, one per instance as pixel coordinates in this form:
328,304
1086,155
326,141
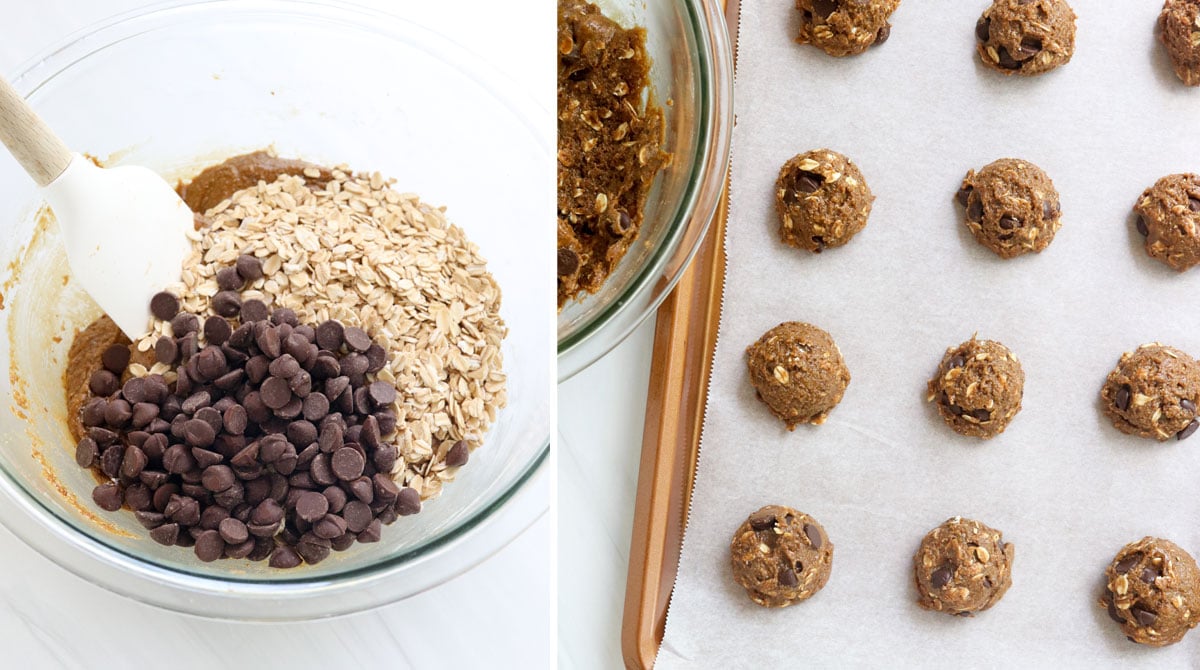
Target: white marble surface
600,416
497,615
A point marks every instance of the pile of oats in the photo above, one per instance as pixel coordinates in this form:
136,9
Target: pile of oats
366,255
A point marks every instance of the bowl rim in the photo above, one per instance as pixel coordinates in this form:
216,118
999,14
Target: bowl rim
42,69
581,348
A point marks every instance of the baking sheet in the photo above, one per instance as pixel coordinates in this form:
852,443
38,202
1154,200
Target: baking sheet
1061,482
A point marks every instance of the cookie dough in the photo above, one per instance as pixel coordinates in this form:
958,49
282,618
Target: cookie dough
1153,591
977,388
610,135
822,200
1168,216
1026,37
1179,30
1011,207
781,556
798,371
1154,392
962,567
844,27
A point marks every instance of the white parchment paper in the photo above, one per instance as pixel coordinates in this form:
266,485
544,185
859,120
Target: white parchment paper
1062,484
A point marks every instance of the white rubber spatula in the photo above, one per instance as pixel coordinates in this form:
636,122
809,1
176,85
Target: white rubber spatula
125,229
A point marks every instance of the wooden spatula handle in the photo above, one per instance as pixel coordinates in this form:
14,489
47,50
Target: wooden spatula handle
32,143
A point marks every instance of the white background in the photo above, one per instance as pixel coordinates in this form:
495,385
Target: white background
497,615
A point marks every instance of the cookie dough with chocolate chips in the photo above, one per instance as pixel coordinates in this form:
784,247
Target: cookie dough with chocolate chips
1154,392
798,371
962,567
822,200
781,556
844,27
1179,30
1153,591
610,135
1168,216
977,388
1026,37
1011,206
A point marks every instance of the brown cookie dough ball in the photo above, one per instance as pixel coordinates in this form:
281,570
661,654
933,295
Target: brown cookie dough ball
781,556
1026,37
844,27
962,567
1153,591
1011,206
1153,392
977,388
1179,30
822,200
1169,218
798,371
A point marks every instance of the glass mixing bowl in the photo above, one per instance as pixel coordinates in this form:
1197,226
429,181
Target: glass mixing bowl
183,85
692,78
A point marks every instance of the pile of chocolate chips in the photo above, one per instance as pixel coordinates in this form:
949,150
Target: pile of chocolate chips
271,443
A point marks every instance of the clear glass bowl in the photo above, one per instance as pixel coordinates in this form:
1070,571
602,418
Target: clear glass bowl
692,78
184,85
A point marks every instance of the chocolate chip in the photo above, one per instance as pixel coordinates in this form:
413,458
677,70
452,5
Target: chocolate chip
165,534
1188,430
115,358
227,303
133,462
357,340
217,478
382,393
1009,222
1187,405
1150,574
285,366
408,502
330,527
268,341
1121,397
253,310
103,383
964,195
1006,60
814,535
1125,564
284,557
975,210
164,306
1112,610
86,452
210,362
217,330
316,406
787,578
459,454
883,34
982,415
357,515
166,351
228,279
983,29
568,262
347,463
1030,47
824,8
249,268
809,182
956,362
1141,226
369,534
198,433
108,496
941,576
1143,616
110,460
118,413
275,392
311,506
183,324
1194,204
